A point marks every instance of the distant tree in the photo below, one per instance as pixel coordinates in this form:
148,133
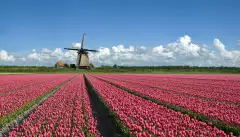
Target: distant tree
55,66
72,66
66,65
115,66
91,65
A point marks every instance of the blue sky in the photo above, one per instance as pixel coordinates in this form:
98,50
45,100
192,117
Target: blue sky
37,24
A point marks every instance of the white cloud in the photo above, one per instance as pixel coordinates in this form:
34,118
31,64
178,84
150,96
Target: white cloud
23,59
76,45
185,40
122,49
218,45
5,57
228,58
34,55
45,51
181,52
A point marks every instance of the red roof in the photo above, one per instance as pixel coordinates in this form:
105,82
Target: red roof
59,63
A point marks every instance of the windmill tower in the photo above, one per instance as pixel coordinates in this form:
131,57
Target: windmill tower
82,57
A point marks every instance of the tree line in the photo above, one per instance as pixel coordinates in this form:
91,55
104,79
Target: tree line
220,69
122,69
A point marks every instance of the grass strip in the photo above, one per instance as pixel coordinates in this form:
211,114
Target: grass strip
120,125
214,122
5,120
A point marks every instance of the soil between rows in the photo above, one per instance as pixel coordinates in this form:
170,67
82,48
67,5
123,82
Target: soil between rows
106,126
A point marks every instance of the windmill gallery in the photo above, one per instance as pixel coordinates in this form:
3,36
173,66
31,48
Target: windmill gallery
82,61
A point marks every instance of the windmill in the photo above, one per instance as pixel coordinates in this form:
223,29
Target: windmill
82,57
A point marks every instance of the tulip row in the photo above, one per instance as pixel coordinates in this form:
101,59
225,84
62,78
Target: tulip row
227,113
145,118
14,100
91,122
60,115
222,90
199,76
230,82
14,82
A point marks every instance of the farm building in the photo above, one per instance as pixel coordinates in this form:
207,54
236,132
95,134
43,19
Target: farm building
59,64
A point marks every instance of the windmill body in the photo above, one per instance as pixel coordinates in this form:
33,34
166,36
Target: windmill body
82,61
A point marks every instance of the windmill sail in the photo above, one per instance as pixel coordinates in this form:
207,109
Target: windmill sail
90,50
82,40
71,49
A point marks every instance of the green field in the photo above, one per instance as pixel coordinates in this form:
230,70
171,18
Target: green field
3,73
122,69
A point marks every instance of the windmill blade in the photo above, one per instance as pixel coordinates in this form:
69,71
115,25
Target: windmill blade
90,50
82,40
70,49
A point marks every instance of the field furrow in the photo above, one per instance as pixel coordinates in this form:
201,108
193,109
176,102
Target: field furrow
226,91
227,113
14,100
61,114
115,105
143,118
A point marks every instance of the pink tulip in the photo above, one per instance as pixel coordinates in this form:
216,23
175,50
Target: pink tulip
154,119
188,93
57,111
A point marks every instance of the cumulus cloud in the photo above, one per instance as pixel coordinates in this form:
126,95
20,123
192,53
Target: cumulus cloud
227,57
4,56
45,51
181,52
76,45
34,55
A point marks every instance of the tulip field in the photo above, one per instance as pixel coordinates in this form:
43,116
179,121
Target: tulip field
13,100
139,105
226,112
61,114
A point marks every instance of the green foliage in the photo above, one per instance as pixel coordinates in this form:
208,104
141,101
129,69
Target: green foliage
33,69
72,66
166,69
91,65
115,66
66,65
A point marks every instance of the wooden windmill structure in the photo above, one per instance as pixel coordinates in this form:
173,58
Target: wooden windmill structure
82,57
